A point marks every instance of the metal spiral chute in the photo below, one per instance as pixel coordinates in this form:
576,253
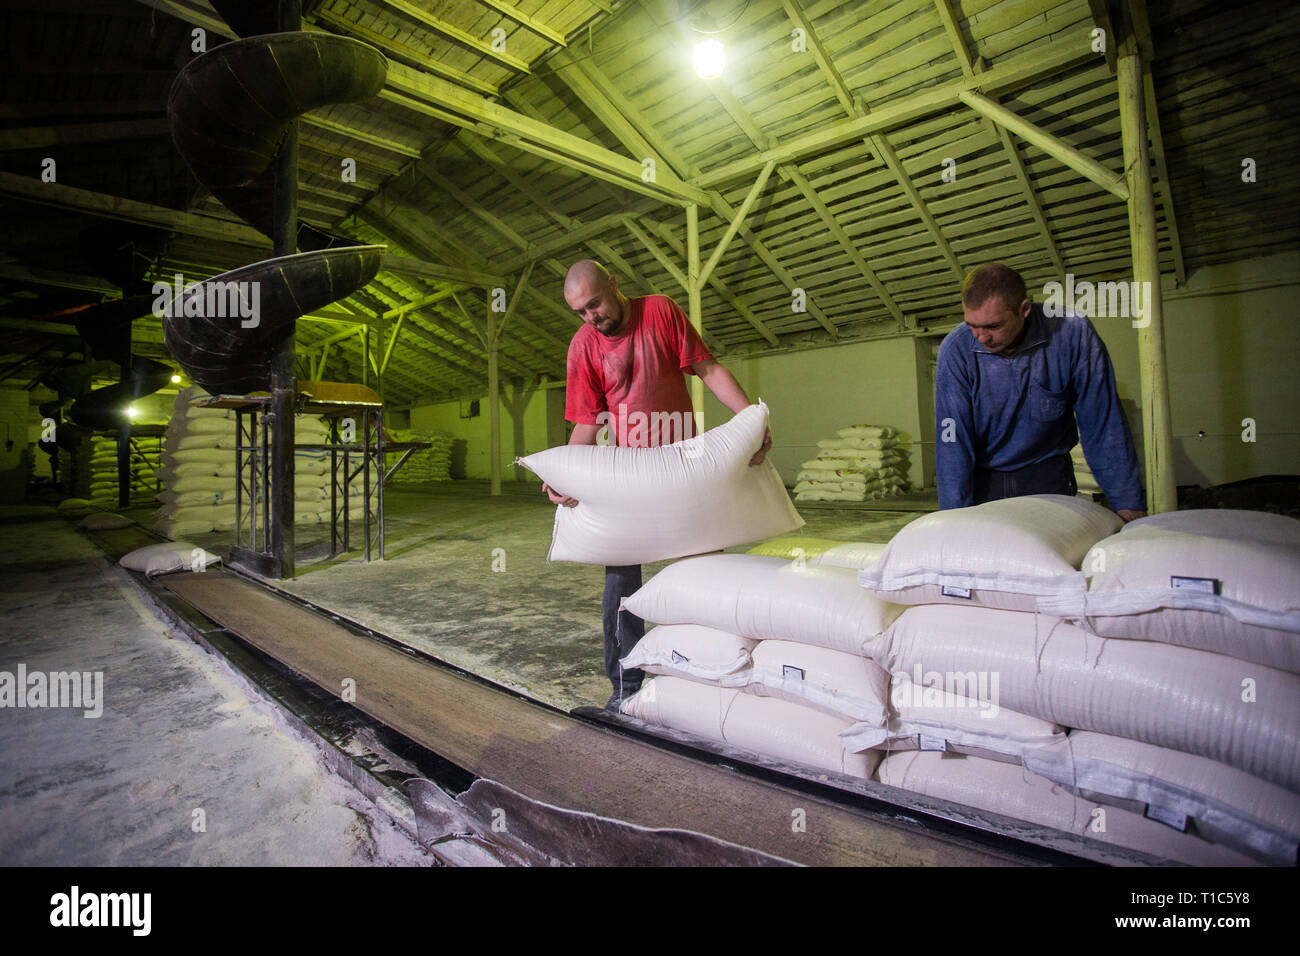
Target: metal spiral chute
230,112
233,115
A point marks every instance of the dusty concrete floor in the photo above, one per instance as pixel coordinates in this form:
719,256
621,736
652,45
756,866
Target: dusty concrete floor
177,734
534,626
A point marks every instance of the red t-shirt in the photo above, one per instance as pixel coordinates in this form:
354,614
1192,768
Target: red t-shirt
634,382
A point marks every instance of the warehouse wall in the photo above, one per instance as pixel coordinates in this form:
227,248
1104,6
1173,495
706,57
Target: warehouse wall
530,421
1232,354
813,393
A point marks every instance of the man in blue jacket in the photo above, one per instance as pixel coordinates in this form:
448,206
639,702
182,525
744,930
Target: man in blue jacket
1011,383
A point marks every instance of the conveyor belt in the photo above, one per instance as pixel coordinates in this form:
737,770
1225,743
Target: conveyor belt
554,758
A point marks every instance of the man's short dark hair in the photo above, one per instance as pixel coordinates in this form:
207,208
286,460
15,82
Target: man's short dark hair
993,278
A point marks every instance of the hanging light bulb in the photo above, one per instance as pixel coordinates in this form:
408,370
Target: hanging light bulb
710,58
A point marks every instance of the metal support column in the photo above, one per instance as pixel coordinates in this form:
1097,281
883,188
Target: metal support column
283,381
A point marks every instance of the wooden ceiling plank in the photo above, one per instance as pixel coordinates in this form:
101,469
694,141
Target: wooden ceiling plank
531,24
1008,147
637,135
1023,70
397,49
458,36
876,141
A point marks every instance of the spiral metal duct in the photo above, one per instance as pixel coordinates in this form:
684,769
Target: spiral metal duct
230,112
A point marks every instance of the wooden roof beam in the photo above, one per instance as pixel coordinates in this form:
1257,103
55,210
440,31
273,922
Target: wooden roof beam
342,24
63,280
457,35
430,89
130,210
644,132
1008,147
875,141
1086,166
714,282
603,250
436,270
524,20
68,134
1019,72
637,134
1142,28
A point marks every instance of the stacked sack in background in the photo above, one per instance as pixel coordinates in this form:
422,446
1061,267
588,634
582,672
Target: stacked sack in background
144,466
430,464
1190,753
763,655
859,463
199,470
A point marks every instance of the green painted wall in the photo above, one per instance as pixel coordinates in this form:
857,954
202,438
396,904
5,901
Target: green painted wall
813,393
1232,354
526,427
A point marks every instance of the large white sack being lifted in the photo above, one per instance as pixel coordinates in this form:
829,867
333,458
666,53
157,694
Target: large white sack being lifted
637,505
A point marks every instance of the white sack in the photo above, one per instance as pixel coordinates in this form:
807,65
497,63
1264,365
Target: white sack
637,505
1009,790
766,726
690,651
685,705
845,685
1001,554
1219,580
765,598
1226,805
1234,712
931,718
165,558
786,731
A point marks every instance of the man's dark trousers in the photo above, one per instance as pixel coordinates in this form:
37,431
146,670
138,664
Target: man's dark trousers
622,630
1055,476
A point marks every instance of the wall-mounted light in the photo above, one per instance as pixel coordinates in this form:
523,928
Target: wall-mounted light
710,58
176,379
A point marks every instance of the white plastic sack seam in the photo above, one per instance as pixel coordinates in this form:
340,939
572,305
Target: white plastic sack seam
1227,805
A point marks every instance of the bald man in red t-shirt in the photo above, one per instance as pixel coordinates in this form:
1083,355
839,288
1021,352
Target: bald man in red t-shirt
626,369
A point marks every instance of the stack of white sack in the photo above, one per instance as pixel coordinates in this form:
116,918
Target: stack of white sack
144,464
859,463
1187,735
197,469
763,655
637,505
199,473
427,464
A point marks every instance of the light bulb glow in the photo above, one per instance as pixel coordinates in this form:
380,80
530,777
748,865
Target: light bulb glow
176,379
131,411
710,58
